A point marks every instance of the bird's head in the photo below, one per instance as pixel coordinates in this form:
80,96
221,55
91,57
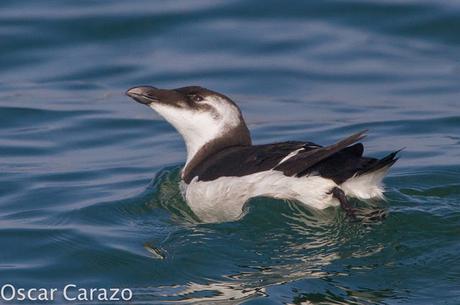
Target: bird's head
200,115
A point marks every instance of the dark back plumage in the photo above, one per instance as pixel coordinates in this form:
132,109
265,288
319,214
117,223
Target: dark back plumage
338,162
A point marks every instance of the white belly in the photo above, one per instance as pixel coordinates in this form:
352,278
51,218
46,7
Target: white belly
223,199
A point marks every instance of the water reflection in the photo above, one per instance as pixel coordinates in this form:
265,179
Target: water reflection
276,243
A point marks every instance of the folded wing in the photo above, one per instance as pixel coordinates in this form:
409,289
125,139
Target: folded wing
338,161
299,164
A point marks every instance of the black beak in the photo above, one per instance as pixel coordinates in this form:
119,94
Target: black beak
148,95
144,94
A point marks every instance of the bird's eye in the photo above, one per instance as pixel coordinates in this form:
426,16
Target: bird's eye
196,97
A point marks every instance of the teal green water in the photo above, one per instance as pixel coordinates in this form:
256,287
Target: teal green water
88,178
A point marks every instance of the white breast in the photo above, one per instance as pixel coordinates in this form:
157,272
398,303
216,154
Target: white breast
223,199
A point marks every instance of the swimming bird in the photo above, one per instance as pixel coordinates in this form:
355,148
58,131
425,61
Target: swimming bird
224,169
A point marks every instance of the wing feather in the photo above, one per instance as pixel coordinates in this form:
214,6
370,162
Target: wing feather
304,160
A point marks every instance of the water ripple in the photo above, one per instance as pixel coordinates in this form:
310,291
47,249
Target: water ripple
88,179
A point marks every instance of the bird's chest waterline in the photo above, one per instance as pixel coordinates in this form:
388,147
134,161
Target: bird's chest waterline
223,199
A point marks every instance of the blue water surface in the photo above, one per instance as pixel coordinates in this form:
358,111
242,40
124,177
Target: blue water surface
89,179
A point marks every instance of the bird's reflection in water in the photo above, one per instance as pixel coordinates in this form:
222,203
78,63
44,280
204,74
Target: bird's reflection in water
276,243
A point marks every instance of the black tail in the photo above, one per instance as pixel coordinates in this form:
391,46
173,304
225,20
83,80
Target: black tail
378,164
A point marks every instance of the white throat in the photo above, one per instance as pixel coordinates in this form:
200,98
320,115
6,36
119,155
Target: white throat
199,127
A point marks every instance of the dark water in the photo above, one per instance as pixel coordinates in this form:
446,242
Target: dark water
78,199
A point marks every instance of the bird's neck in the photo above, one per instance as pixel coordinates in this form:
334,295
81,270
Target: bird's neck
196,153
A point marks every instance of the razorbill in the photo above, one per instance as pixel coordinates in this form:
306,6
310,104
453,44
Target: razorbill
224,170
